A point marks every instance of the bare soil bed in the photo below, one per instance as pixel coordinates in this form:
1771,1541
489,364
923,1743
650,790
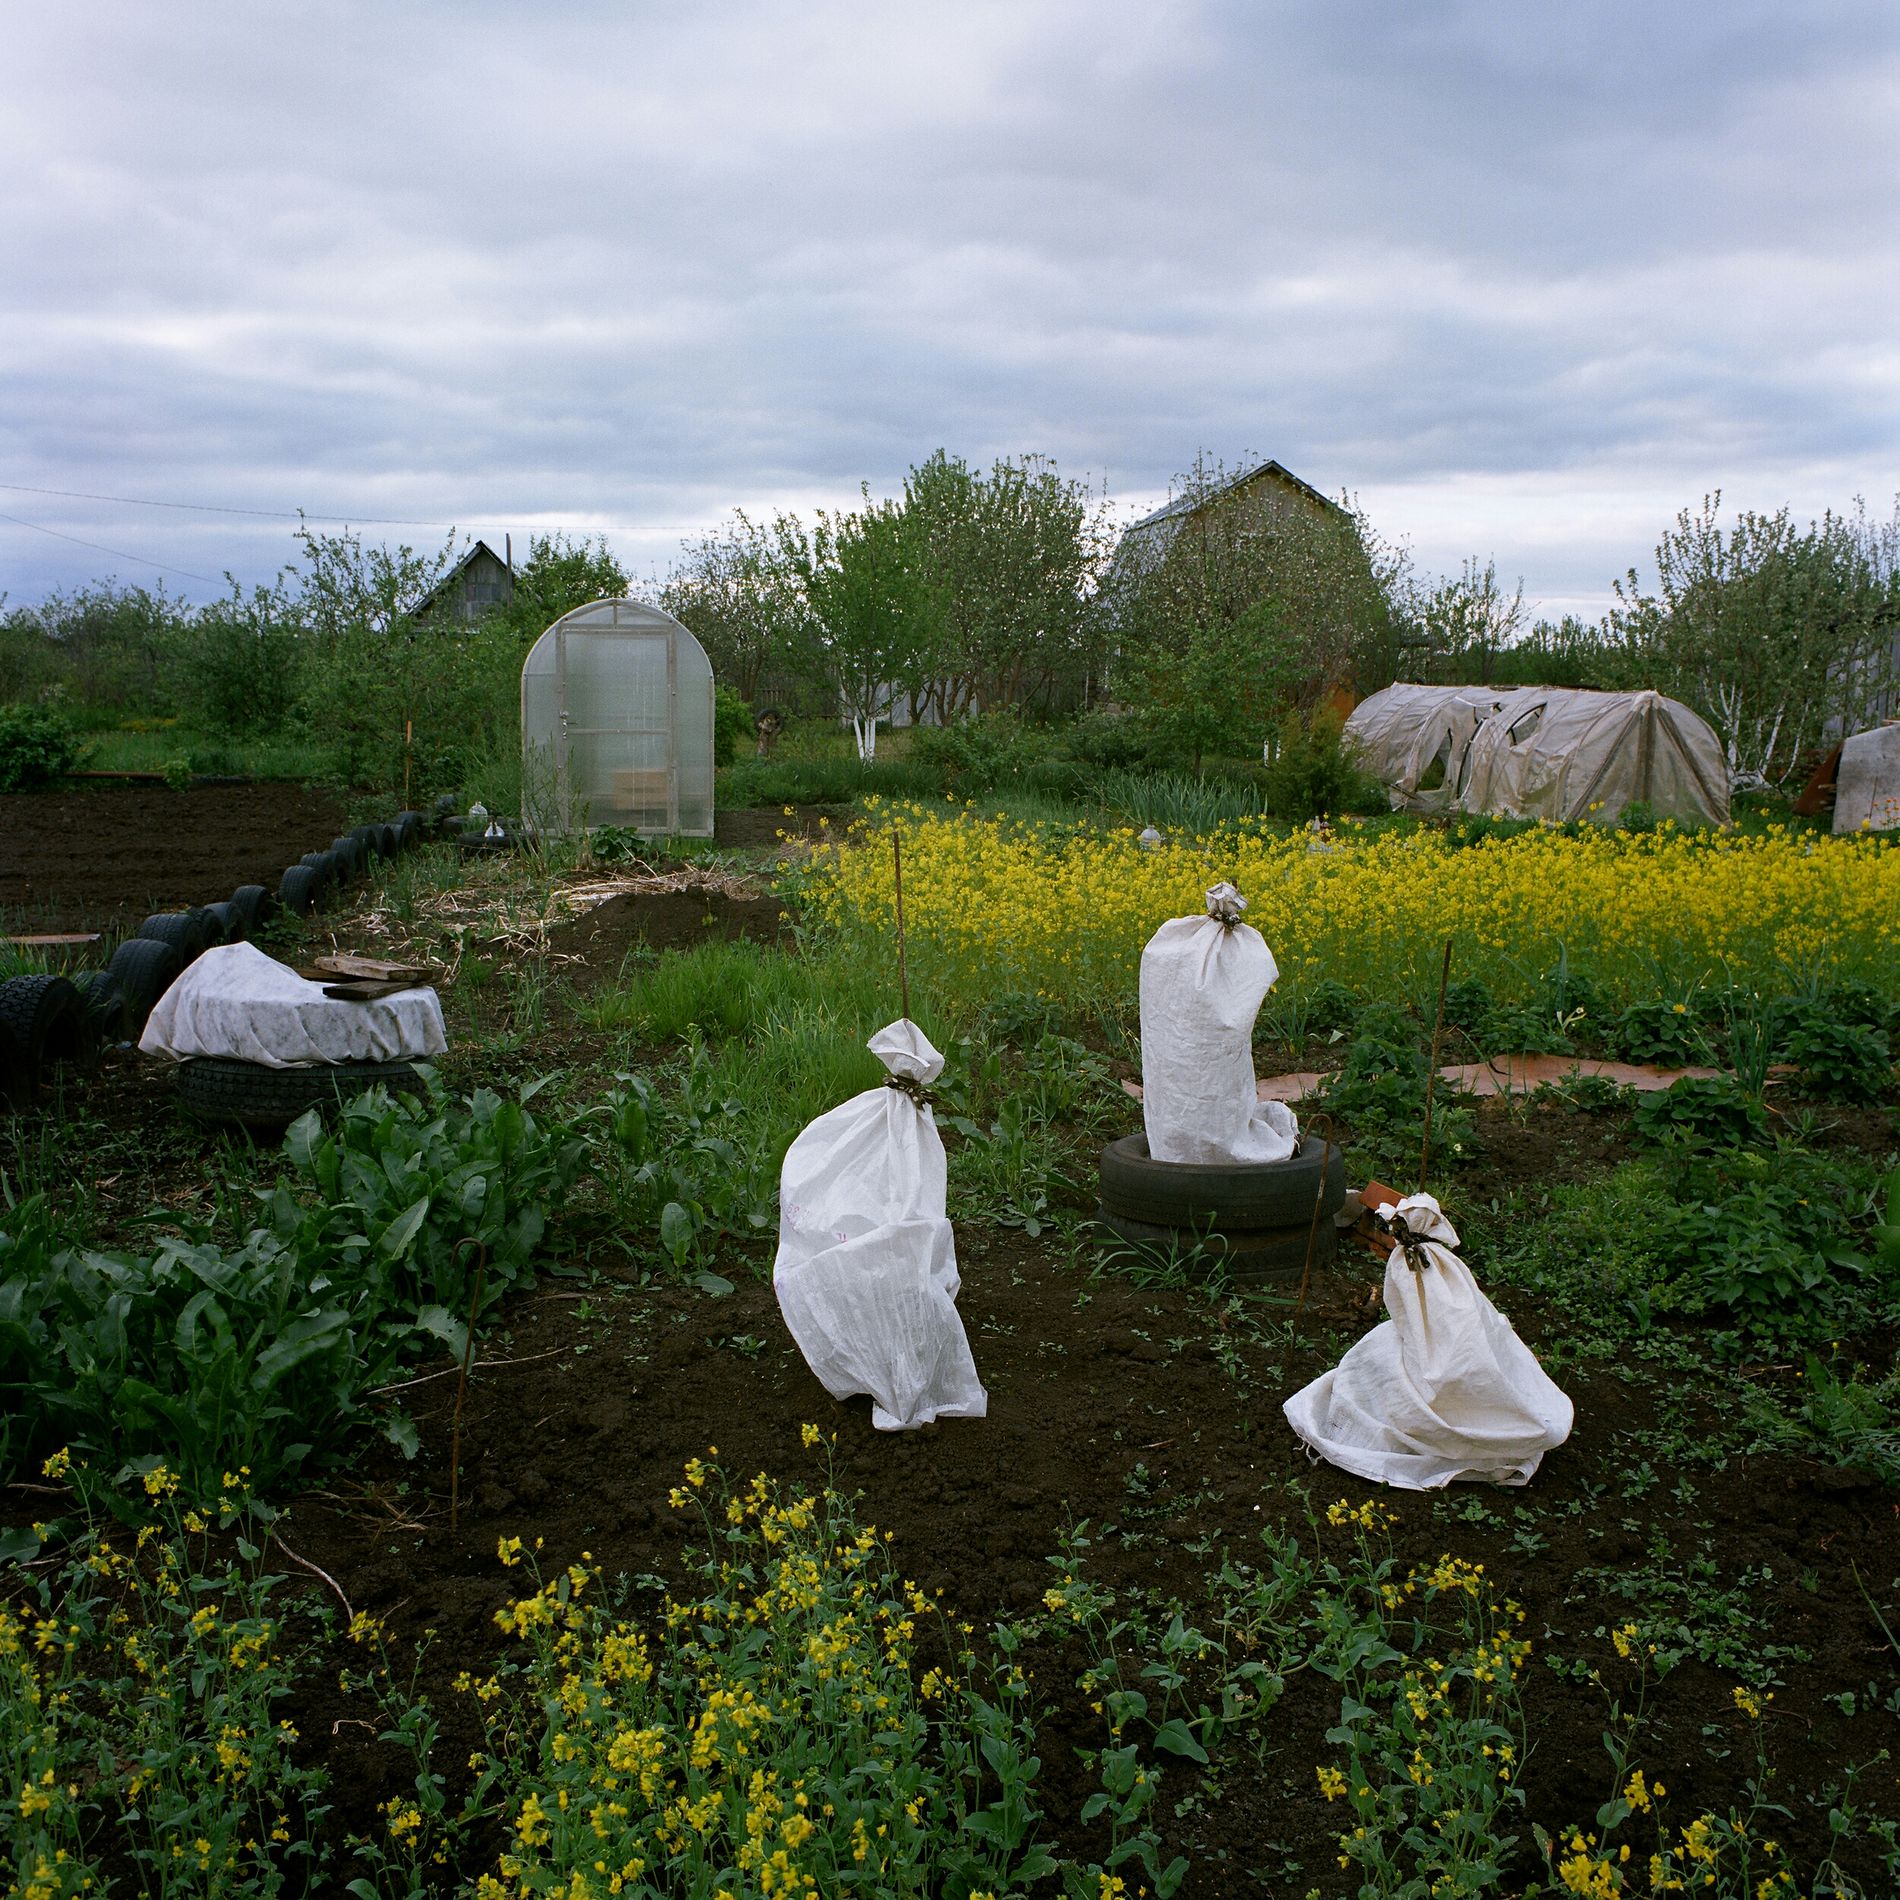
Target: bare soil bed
105,857
594,946
1154,1415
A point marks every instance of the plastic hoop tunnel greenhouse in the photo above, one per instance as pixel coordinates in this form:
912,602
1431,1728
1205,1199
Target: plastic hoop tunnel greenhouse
617,724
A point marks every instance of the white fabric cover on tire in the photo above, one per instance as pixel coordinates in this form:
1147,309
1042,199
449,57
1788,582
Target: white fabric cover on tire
1443,1389
866,1274
1203,980
236,1002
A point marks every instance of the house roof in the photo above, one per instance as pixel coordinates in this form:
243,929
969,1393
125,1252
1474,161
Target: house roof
1184,505
454,574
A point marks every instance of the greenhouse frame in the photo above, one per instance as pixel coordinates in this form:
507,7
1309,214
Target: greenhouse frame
617,724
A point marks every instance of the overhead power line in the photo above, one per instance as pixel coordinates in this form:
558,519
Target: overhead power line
298,514
118,554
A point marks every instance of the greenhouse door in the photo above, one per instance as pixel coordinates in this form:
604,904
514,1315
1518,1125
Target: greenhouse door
616,763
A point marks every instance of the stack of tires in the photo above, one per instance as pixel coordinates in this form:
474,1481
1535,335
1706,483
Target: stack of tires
1255,1219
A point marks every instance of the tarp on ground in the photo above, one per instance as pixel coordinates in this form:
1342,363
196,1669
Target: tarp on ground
1867,782
1556,753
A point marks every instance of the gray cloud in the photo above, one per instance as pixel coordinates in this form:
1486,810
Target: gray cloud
1526,279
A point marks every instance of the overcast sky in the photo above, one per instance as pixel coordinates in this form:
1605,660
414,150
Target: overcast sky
1524,278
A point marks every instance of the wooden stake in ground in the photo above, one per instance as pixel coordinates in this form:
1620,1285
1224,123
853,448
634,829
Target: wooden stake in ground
1431,1074
897,885
408,756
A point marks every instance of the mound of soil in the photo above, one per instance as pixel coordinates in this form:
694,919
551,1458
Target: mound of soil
104,858
661,920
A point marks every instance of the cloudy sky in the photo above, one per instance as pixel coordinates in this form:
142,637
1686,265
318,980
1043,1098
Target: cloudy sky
1524,278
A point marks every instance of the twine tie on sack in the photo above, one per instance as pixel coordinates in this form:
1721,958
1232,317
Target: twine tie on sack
909,1085
1410,1244
1224,905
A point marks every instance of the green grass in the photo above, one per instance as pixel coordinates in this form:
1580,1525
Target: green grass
206,755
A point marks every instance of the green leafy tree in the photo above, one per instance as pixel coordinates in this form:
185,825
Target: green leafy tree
237,669
345,588
391,692
741,590
103,647
1465,622
1012,557
559,575
1768,630
878,609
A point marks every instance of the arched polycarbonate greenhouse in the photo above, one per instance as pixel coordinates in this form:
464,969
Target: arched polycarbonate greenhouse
617,724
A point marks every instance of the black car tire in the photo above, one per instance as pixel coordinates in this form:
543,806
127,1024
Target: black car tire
104,1001
351,853
43,1021
228,921
1262,1254
254,904
184,930
410,827
1235,1197
298,889
145,968
250,1095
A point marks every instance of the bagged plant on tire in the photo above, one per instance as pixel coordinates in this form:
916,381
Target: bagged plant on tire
1203,980
866,1274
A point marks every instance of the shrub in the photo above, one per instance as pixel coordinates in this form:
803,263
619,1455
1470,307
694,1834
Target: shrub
1312,776
1116,741
1842,1060
733,729
1711,1110
994,752
36,747
235,669
833,779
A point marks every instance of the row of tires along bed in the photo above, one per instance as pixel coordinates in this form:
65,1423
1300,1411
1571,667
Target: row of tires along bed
46,1020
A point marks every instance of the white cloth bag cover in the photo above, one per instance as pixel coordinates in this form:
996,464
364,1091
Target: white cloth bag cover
1443,1389
1203,980
238,1003
866,1273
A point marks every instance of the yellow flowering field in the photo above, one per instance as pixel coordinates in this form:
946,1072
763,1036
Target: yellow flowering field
991,905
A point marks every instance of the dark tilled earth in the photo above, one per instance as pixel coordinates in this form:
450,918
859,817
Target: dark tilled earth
593,947
1154,1416
105,857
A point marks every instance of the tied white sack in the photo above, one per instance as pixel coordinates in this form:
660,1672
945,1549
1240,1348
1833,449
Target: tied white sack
237,1003
866,1274
1203,980
1444,1388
